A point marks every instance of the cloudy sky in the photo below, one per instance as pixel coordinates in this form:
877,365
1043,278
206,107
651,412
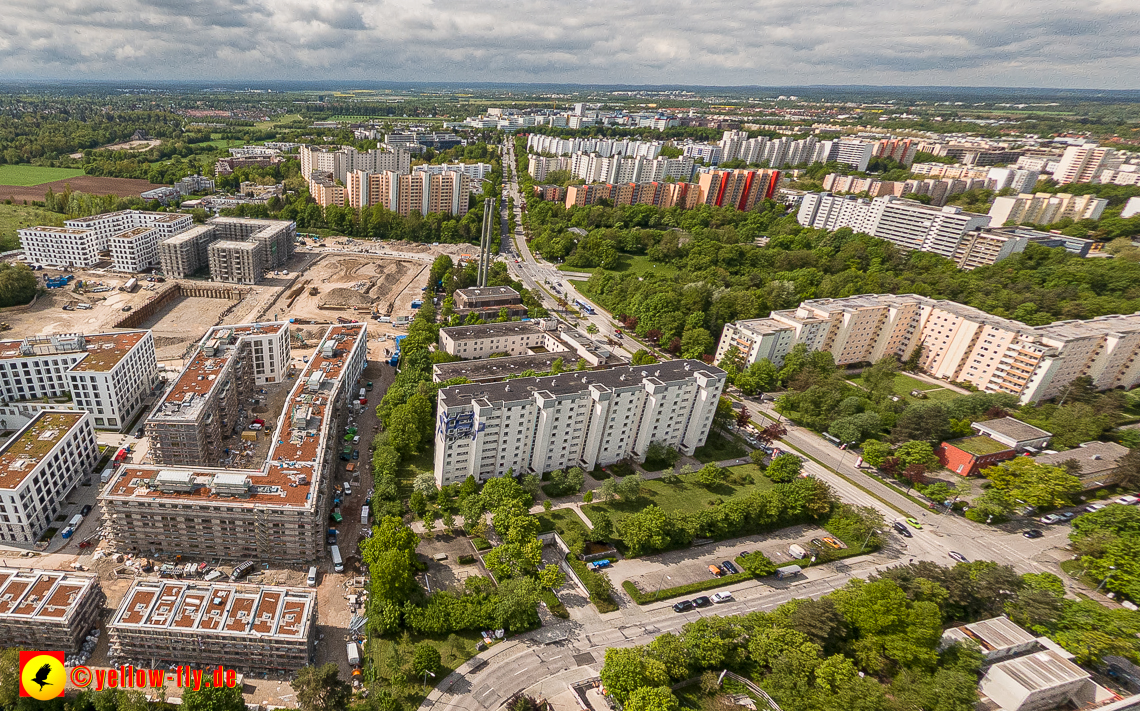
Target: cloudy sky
1091,44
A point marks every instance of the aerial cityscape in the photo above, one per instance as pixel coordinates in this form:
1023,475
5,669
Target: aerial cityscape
580,363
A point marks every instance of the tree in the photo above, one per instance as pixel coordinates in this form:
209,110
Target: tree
629,487
1128,470
758,458
1035,484
320,689
743,418
696,342
879,379
426,659
208,698
772,433
425,483
784,468
516,604
652,698
875,452
757,564
711,475
627,670
643,357
921,453
914,474
853,429
922,421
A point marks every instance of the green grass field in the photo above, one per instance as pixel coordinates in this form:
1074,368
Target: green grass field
27,175
719,447
454,650
560,520
410,468
687,496
636,263
14,217
904,384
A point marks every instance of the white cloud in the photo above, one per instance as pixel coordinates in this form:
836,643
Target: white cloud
717,42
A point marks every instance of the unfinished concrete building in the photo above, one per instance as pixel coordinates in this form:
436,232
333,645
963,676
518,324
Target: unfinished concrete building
247,628
276,512
47,609
236,262
236,249
189,423
184,254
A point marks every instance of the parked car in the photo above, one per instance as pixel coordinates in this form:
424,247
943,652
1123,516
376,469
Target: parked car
85,510
1128,500
683,606
729,568
598,564
833,542
356,454
356,439
702,601
1094,507
716,571
914,523
1067,516
958,557
1034,533
722,597
902,529
1050,519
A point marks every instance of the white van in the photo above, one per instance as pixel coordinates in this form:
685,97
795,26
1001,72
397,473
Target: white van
312,580
338,562
347,489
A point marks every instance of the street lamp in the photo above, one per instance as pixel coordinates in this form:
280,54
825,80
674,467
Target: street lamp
661,583
426,673
1111,570
873,532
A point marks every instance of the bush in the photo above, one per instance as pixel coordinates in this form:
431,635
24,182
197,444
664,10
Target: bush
555,605
466,559
597,585
682,590
481,544
757,564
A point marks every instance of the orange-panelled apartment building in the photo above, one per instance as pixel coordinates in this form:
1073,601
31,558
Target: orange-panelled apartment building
739,189
419,192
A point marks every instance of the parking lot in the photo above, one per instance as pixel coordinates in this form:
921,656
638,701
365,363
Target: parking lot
691,565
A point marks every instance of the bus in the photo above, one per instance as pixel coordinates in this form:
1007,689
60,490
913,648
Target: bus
584,306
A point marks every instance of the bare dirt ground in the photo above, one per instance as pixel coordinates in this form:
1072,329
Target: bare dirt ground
132,145
90,184
354,285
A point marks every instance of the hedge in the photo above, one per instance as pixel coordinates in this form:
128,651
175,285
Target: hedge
587,576
682,590
555,605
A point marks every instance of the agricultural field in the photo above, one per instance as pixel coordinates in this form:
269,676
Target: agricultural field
28,175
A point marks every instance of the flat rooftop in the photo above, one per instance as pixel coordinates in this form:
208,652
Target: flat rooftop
979,445
292,466
190,235
105,350
1042,670
196,609
1013,428
498,368
994,634
487,292
184,399
494,330
1094,457
133,233
57,230
235,244
23,453
574,382
45,595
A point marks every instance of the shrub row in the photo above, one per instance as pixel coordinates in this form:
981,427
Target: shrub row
682,590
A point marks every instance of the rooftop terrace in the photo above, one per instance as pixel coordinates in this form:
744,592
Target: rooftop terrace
41,594
20,455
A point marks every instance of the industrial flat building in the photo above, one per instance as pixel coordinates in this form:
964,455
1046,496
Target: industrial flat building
188,425
535,425
39,467
248,628
275,510
959,343
47,609
487,301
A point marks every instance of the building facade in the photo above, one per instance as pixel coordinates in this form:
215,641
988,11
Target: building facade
48,609
39,467
82,241
535,425
340,161
237,250
959,343
1044,208
244,627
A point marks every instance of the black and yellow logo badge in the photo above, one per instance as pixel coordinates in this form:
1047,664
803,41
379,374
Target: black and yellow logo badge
42,675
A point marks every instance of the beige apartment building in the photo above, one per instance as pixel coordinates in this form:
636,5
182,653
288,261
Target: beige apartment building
1044,208
959,343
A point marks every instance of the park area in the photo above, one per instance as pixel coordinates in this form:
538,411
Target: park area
905,384
636,263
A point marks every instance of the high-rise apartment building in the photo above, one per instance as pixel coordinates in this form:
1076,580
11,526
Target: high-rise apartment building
585,419
1017,180
422,192
605,147
236,249
594,168
959,343
1044,208
740,189
1081,164
340,161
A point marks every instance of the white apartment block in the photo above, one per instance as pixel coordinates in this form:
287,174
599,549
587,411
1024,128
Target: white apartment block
1044,208
1131,208
711,154
586,419
512,337
135,250
81,240
107,374
853,153
343,160
541,166
39,466
474,171
1081,164
1019,181
605,147
982,248
905,223
959,343
594,168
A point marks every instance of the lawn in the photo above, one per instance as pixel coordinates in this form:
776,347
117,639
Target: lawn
386,656
14,217
903,384
26,175
688,495
561,520
637,263
410,468
719,447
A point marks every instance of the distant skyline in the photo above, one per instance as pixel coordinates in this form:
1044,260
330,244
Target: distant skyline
1022,43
